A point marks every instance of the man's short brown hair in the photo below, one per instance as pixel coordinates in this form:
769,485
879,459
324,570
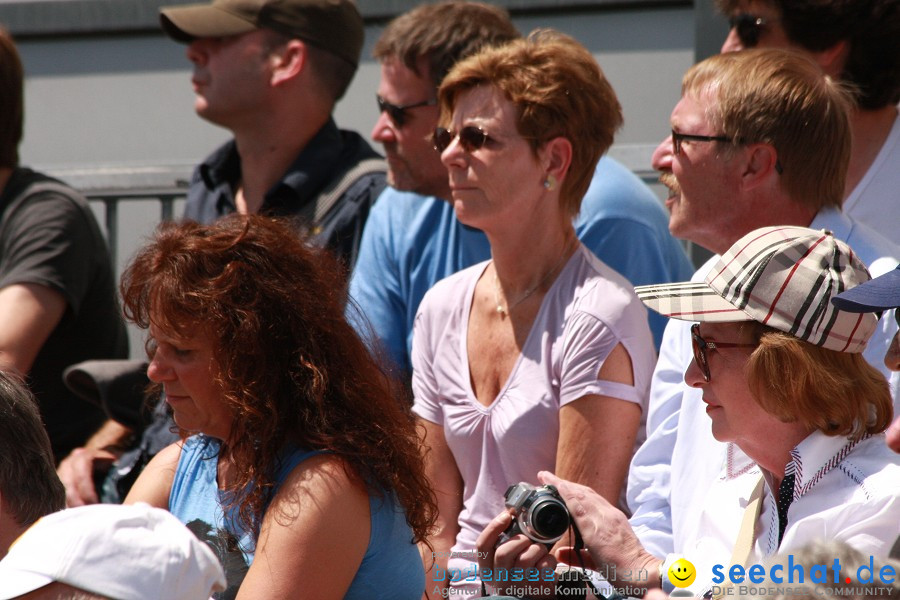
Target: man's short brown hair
781,98
443,34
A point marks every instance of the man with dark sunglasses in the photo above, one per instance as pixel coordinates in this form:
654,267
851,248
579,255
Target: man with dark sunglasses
741,156
856,42
412,238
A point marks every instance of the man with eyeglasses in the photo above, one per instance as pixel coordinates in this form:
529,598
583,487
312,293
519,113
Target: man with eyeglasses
412,238
856,42
741,156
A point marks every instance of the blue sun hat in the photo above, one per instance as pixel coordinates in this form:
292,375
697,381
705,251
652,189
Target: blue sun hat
875,295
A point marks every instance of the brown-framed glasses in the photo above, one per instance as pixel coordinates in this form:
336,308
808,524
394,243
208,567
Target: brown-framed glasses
471,138
678,138
700,346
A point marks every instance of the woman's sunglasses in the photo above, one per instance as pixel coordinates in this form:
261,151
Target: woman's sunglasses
471,138
700,347
748,27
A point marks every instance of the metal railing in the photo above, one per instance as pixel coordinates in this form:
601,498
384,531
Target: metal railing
167,185
111,187
111,199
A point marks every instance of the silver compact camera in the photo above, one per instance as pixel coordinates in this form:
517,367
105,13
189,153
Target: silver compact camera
538,512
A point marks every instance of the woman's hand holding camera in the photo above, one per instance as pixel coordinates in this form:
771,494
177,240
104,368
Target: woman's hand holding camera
519,552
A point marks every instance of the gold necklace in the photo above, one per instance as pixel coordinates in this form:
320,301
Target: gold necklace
504,311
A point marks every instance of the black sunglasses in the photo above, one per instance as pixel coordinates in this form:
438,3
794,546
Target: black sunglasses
397,112
471,138
700,346
748,28
678,138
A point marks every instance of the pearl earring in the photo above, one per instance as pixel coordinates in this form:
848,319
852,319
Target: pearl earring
550,182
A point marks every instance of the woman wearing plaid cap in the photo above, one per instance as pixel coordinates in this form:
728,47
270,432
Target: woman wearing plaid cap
784,382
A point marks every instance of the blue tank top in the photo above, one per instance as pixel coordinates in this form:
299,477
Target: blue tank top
391,566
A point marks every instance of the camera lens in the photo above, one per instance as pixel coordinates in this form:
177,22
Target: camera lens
550,519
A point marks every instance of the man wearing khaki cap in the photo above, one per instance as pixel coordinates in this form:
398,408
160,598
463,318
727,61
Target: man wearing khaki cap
271,71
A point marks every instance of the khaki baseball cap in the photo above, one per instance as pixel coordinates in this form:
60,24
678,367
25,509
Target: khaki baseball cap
333,25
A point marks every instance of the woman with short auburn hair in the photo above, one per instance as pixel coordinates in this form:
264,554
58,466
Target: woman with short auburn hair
530,360
837,393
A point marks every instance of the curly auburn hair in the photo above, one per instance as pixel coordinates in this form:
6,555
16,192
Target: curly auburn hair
292,368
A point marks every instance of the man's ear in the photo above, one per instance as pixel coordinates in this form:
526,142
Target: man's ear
288,62
833,59
761,164
556,157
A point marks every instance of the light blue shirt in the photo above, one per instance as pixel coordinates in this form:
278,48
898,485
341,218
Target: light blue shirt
411,242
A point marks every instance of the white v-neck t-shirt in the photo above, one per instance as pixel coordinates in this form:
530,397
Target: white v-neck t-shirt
588,310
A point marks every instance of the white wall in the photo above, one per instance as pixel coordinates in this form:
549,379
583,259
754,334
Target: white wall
127,100
101,104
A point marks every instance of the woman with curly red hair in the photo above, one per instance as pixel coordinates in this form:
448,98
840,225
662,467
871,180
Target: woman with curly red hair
297,460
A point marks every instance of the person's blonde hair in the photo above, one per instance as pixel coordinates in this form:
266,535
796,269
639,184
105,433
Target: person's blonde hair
558,89
780,97
837,393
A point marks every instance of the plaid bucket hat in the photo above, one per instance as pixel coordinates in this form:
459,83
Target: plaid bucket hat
783,277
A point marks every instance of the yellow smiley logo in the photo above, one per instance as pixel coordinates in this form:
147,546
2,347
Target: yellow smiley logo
682,573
